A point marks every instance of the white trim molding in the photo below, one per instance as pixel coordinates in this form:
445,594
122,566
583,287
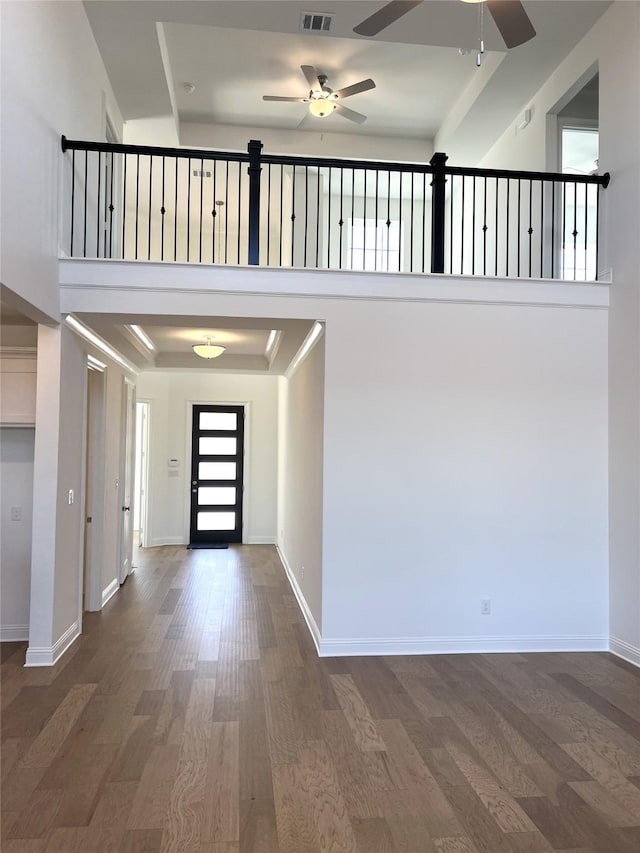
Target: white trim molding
49,655
260,540
624,650
109,591
14,633
302,602
462,645
167,540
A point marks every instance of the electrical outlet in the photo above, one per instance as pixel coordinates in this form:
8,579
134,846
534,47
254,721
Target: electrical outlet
485,606
70,496
16,513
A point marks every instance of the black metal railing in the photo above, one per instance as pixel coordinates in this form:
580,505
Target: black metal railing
137,202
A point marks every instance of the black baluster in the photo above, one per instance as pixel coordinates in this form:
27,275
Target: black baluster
240,209
364,221
586,226
269,214
575,229
281,212
507,244
306,214
124,203
375,232
293,214
111,208
137,204
519,195
189,213
73,198
163,210
473,229
462,216
255,169
411,225
86,181
530,226
341,222
553,228
318,220
175,210
496,225
542,198
226,212
329,223
484,231
201,200
451,200
400,225
98,212
150,192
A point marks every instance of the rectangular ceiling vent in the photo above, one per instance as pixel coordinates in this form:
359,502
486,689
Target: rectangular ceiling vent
315,22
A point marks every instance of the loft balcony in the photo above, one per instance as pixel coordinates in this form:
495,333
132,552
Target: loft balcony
191,206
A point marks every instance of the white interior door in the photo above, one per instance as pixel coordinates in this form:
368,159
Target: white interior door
126,490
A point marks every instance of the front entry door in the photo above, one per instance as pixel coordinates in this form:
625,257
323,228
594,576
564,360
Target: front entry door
217,451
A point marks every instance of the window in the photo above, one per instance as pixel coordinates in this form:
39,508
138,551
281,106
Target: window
374,245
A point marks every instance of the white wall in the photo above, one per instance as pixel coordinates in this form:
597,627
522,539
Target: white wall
17,384
612,47
300,462
306,143
465,459
16,465
170,396
53,83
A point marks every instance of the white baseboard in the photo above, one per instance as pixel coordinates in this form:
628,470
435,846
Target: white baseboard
302,602
167,540
49,655
109,591
260,540
14,633
462,645
624,650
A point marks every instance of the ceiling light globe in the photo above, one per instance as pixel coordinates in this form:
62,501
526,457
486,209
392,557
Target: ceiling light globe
321,107
208,350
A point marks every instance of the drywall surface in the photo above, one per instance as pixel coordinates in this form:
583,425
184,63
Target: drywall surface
300,442
613,49
16,450
171,396
44,94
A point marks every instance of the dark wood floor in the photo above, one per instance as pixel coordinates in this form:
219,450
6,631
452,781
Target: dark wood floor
194,715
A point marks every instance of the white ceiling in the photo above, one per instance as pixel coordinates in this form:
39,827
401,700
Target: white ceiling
245,340
234,51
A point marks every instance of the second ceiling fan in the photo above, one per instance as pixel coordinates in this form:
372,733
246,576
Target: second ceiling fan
322,100
509,16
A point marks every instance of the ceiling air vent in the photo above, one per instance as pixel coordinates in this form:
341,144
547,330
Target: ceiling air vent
315,22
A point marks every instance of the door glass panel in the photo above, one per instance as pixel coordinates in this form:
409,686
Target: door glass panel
218,420
216,520
210,445
217,471
208,495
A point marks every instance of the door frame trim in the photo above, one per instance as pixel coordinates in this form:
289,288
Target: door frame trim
186,468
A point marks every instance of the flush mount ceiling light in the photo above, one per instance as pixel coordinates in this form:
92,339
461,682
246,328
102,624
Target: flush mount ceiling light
208,350
320,107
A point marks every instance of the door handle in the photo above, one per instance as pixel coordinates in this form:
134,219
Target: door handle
125,509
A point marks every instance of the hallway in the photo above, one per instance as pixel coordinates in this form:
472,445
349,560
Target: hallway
194,715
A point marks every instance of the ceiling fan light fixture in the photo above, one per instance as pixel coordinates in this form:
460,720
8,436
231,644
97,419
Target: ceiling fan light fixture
473,1
208,350
321,107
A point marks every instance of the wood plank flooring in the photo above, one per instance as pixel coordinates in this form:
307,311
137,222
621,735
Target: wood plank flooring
194,716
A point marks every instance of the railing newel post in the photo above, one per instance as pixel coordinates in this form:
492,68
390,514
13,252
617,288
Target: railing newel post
255,167
438,199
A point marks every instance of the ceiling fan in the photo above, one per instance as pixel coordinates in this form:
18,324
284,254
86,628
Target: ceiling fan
509,15
322,100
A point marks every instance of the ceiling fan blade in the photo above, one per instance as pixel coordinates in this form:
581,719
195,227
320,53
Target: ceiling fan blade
312,77
352,115
279,98
512,21
355,88
381,19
